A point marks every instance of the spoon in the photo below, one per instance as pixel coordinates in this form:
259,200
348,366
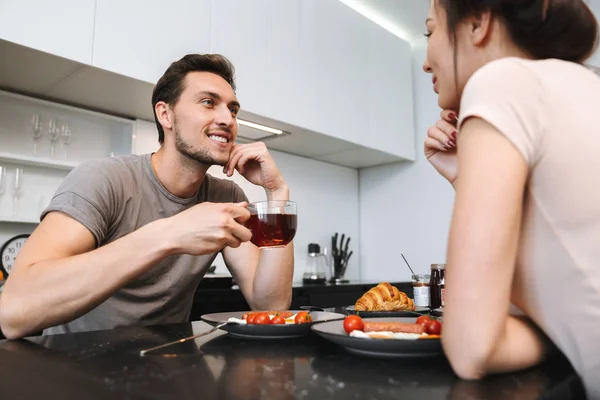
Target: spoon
413,272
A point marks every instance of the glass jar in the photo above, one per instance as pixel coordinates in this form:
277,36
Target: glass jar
420,285
437,286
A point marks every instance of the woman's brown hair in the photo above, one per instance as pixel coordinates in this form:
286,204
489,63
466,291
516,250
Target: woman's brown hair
561,29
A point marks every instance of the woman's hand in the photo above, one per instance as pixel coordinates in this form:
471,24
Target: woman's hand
440,145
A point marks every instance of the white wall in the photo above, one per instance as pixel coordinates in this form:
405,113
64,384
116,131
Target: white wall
406,208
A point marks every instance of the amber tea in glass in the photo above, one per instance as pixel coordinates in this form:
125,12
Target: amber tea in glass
272,223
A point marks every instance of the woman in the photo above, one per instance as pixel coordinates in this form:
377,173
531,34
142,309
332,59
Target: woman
523,114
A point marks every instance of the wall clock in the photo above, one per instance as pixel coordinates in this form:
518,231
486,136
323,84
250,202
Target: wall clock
9,253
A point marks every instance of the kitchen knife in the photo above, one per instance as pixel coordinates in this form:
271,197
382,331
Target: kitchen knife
346,247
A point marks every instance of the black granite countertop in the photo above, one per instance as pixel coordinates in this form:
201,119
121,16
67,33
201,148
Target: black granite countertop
107,365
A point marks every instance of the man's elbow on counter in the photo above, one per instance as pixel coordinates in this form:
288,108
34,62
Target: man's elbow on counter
279,303
9,323
286,302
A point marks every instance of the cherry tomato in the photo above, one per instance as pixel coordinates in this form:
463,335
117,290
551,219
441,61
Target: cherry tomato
278,320
353,323
262,319
423,320
302,317
250,318
433,327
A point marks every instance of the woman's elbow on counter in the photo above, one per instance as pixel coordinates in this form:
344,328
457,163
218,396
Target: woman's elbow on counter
466,362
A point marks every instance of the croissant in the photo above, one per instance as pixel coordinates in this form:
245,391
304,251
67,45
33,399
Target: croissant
384,297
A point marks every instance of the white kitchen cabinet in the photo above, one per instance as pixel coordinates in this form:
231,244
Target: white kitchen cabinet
239,31
141,38
334,43
274,71
390,95
335,72
320,65
290,81
61,27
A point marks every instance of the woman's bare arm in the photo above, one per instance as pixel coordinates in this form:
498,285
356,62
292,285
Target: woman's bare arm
479,336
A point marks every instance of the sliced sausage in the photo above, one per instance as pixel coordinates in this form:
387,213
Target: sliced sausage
393,327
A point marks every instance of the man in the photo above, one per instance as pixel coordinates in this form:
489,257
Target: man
126,240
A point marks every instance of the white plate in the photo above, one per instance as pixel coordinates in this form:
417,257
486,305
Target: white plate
381,348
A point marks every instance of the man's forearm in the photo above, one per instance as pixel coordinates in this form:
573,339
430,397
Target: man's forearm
521,346
272,288
31,301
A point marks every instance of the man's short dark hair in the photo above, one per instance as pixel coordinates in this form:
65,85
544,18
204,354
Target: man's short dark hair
171,84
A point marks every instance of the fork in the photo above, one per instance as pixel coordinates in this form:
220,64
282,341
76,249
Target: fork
219,326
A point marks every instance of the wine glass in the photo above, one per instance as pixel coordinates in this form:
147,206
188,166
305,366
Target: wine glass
65,136
273,223
37,130
2,179
17,189
53,133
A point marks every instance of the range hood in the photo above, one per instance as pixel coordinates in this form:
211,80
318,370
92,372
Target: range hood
254,132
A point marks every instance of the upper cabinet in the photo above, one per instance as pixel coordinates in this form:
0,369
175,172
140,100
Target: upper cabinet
390,94
239,31
290,87
321,66
339,83
334,69
61,27
141,38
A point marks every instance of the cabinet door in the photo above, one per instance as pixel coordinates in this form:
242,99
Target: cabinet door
335,45
239,32
141,38
290,81
61,27
390,96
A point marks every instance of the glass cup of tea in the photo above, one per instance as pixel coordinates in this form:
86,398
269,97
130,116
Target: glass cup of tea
273,223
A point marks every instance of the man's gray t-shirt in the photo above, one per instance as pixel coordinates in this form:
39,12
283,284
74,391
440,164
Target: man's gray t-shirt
115,196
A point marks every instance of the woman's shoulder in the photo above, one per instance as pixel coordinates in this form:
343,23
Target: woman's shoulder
504,80
505,72
511,73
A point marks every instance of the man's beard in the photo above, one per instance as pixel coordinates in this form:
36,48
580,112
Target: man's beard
202,155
